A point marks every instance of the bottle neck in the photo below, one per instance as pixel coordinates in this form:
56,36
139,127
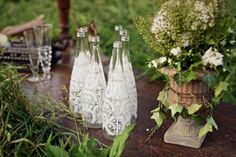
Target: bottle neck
126,49
82,45
118,61
96,56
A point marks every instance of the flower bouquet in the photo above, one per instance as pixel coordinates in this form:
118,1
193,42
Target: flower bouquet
196,50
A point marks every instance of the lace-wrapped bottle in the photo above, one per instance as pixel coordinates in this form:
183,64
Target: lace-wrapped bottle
79,72
94,87
116,112
129,76
118,28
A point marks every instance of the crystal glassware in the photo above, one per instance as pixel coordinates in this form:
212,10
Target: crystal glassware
79,72
43,34
94,87
116,110
31,44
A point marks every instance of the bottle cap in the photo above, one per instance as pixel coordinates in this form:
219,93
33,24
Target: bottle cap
123,32
83,29
95,39
117,44
118,27
125,38
80,34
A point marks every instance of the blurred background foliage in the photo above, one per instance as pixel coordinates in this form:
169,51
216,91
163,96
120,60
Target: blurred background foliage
106,13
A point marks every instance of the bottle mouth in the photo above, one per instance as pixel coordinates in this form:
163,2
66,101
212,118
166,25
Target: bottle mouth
118,27
80,34
125,38
117,44
95,39
123,32
83,29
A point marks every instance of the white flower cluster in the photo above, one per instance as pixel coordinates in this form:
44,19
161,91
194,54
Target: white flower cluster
160,23
212,57
203,15
175,51
157,62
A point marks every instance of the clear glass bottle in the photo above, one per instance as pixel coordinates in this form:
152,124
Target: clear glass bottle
79,72
116,113
94,87
129,77
118,28
122,33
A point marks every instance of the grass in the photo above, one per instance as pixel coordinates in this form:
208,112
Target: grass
106,13
28,127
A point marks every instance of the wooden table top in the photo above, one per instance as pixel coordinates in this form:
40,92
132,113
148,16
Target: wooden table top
221,143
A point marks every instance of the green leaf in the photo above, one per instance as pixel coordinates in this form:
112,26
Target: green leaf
191,75
193,108
55,151
212,121
205,129
175,108
163,97
119,142
156,109
222,86
158,117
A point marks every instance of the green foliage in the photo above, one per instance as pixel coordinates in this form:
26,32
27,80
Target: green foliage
55,151
25,130
175,108
158,116
222,86
194,108
208,127
90,147
119,142
106,13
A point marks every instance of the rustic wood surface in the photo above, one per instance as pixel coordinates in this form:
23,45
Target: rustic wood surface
221,143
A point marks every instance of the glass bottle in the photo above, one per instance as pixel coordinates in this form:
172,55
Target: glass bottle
129,77
94,87
116,113
79,72
118,28
123,32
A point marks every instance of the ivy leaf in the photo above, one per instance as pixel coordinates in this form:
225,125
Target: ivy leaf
175,108
222,86
158,117
156,109
193,108
212,121
163,97
205,129
208,127
191,75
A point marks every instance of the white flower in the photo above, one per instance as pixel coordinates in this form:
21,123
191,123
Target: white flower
175,51
156,62
3,40
162,59
153,63
212,57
